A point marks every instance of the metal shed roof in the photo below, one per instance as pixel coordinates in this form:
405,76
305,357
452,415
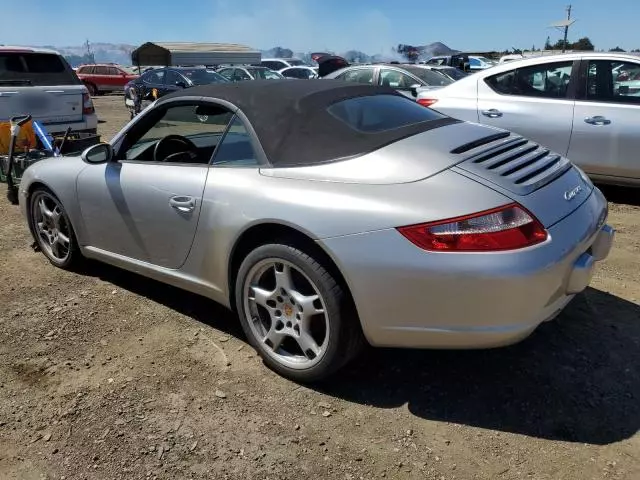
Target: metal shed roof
188,54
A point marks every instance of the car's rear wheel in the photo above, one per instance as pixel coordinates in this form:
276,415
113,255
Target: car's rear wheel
52,229
295,314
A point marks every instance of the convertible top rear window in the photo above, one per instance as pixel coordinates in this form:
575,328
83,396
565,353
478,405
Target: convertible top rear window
301,123
380,113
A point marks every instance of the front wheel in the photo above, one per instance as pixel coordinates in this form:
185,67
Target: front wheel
295,314
52,229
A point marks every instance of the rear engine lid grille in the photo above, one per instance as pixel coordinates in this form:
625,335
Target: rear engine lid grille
511,162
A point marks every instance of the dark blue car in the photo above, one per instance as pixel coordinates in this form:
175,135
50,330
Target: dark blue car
158,82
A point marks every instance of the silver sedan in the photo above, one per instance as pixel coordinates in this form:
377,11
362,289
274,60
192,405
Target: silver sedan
328,215
582,105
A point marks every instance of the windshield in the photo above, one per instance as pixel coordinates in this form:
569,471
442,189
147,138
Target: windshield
36,69
430,77
200,76
264,73
294,62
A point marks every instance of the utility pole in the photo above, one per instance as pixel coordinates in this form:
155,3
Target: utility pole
89,52
566,28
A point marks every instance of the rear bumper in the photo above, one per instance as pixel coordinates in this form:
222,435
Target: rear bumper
88,125
407,297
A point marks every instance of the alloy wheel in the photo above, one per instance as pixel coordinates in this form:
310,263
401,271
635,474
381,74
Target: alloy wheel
51,227
286,313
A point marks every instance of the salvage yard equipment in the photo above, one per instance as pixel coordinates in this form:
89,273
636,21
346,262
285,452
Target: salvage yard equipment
15,162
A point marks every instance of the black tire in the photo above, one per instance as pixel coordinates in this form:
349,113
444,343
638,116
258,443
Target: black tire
345,339
74,257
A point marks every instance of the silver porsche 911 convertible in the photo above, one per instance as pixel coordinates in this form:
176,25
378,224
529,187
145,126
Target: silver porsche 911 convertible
328,215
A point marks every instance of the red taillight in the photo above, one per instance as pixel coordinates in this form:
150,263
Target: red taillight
87,104
427,102
505,228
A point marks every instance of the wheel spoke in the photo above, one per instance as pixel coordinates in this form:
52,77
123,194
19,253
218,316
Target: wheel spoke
262,297
307,303
55,249
63,240
55,216
44,209
307,343
283,277
273,339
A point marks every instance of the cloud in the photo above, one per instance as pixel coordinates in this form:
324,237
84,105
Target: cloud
294,24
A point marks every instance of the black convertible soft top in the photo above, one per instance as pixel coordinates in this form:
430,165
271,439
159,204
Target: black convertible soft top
293,125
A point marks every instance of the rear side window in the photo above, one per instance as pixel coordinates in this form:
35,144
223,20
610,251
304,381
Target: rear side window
613,81
380,113
36,69
549,80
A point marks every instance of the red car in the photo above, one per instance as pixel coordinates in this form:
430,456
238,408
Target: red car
103,78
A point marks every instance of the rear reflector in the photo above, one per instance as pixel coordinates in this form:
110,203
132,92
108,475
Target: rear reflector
426,102
505,228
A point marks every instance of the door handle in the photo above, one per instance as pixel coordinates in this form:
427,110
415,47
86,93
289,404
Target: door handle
492,113
597,120
183,204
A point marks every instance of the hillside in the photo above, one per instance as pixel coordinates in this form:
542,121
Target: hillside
121,53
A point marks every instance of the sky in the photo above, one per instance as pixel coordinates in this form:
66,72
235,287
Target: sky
372,26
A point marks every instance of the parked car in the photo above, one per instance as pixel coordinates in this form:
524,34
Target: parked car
278,64
406,79
40,82
480,63
327,213
158,82
510,58
104,78
574,104
238,74
301,73
449,72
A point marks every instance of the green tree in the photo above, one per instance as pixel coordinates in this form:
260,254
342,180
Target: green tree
617,49
582,44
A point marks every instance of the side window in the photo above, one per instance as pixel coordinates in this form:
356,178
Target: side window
239,75
83,70
200,125
272,65
358,75
226,73
549,80
173,78
154,77
100,70
611,81
395,79
113,71
474,62
236,149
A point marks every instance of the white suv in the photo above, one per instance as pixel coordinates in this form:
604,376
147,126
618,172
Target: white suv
41,83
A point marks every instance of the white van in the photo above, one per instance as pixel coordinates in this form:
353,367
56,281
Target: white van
41,83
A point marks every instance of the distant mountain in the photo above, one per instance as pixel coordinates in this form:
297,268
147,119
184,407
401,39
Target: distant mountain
121,53
102,53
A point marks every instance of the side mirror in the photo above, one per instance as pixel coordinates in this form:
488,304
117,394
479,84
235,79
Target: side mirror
99,153
414,89
181,84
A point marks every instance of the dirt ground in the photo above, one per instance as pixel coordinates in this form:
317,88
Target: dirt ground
108,375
